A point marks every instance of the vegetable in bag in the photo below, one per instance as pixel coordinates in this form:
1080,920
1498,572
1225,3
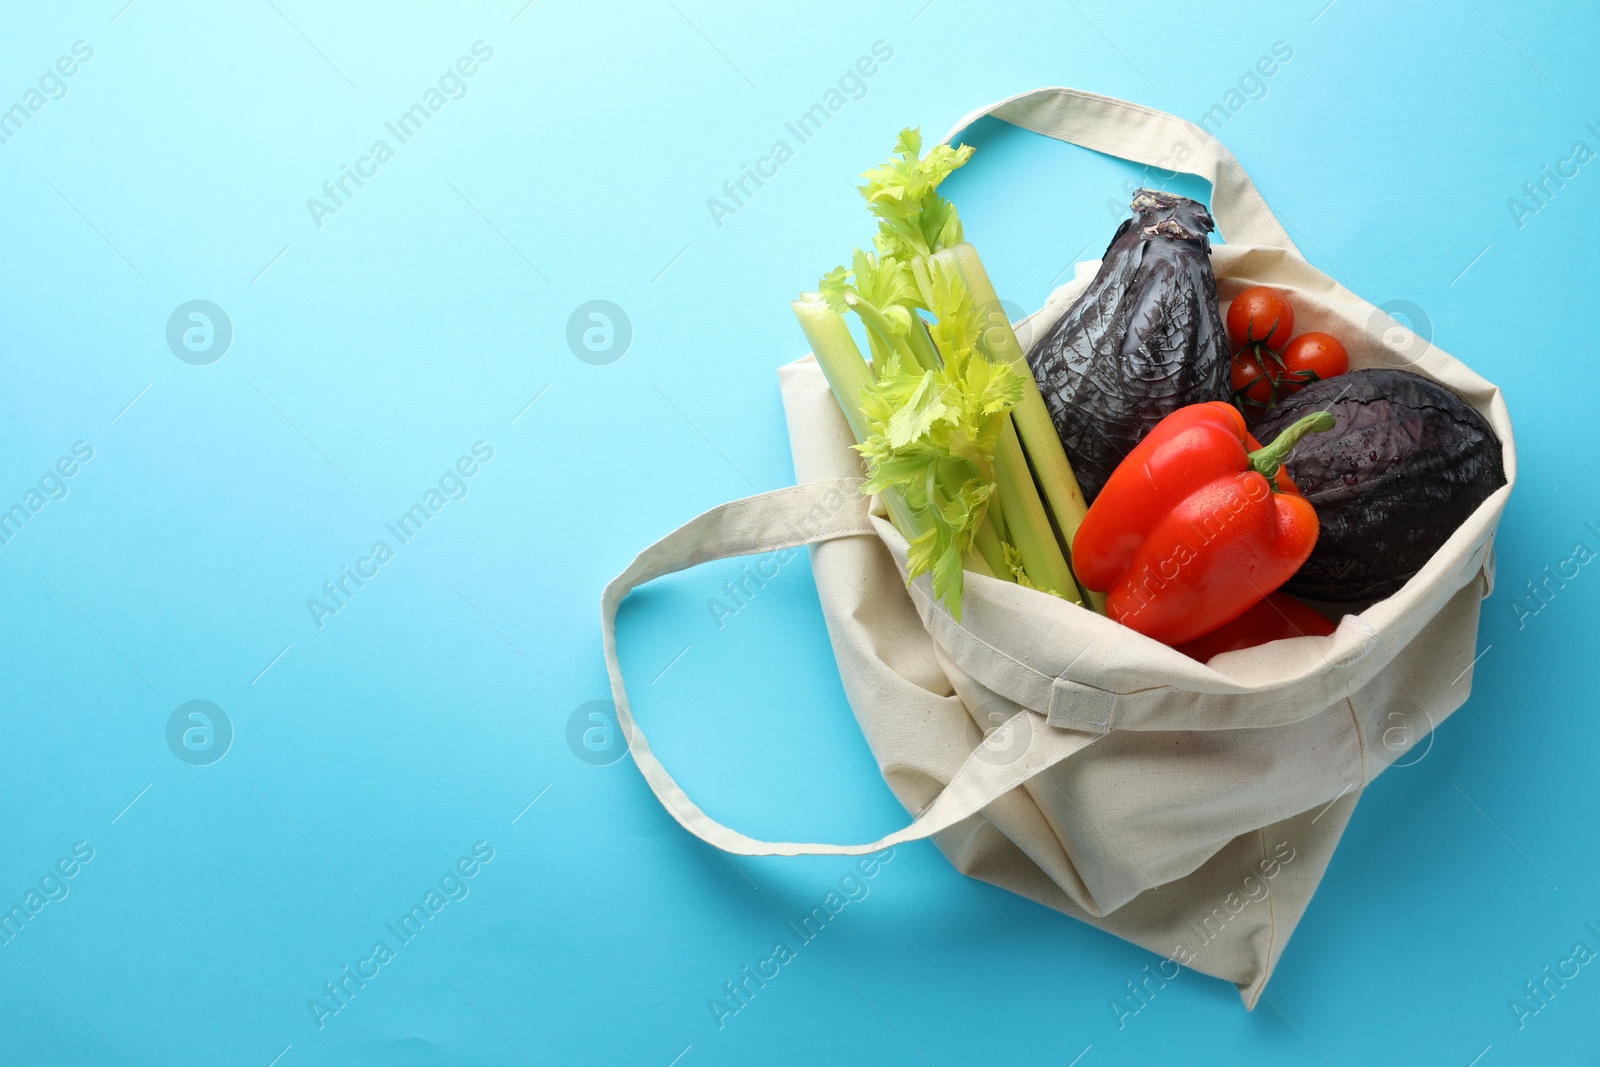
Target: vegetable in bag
1195,526
1406,463
1144,340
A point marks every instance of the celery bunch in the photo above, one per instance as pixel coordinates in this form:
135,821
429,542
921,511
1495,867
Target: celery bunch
933,416
932,433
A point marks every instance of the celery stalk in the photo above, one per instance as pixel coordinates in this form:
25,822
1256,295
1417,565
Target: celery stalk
921,344
1034,425
1026,521
836,352
878,324
1016,509
988,550
847,373
917,349
934,416
1022,515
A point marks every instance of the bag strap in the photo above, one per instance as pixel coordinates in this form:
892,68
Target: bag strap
1143,135
789,518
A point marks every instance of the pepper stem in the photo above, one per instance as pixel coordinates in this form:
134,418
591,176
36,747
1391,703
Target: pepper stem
1268,459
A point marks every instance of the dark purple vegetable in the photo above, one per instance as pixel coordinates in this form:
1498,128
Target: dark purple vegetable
1144,340
1406,463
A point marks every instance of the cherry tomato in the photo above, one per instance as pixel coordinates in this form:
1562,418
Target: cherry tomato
1260,315
1317,353
1261,378
1252,389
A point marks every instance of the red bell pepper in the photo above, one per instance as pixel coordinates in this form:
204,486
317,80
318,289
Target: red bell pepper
1194,526
1276,617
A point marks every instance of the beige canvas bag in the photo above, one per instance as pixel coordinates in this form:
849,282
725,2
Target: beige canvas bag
1189,808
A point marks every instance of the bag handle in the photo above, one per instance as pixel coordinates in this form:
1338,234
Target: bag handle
1143,135
789,518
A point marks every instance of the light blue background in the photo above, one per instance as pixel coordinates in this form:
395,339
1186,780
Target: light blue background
372,352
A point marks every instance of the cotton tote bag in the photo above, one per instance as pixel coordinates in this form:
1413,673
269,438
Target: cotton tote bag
1186,807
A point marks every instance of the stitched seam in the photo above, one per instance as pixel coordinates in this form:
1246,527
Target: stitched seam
1272,916
1100,101
647,572
1361,741
853,526
827,533
1064,685
830,534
